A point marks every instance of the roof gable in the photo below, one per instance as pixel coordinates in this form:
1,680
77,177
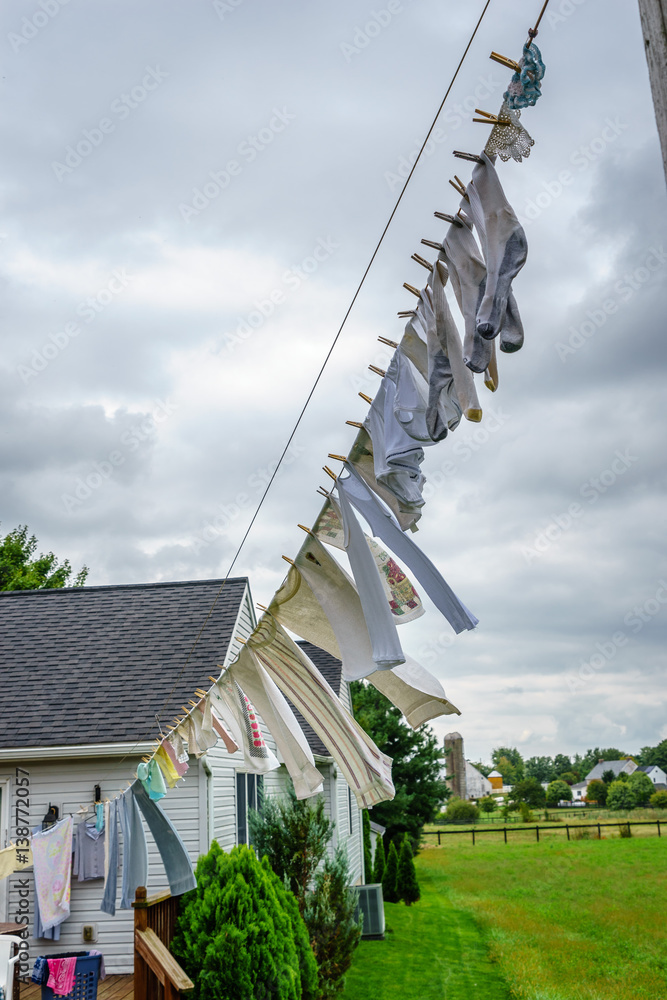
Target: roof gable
94,664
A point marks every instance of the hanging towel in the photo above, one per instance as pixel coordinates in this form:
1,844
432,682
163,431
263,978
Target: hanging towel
366,770
239,715
181,767
417,693
336,594
52,860
151,778
9,862
403,599
62,973
135,850
384,526
166,765
281,723
175,857
380,623
106,838
108,904
99,816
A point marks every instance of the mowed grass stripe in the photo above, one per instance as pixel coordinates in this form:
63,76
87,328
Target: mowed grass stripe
432,951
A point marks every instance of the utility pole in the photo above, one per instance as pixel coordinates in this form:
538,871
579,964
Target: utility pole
654,26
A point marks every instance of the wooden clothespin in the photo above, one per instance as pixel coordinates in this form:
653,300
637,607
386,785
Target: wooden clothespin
261,607
421,260
433,244
214,679
304,528
287,559
411,288
490,119
366,398
448,218
239,638
468,156
504,61
459,186
322,492
354,423
339,458
389,343
330,473
378,371
405,313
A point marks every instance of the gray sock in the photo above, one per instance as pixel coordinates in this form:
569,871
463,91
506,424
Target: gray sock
503,242
468,275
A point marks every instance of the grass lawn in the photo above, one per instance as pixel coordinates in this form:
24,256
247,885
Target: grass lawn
583,920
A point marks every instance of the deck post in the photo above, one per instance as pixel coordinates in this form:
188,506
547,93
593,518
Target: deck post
140,924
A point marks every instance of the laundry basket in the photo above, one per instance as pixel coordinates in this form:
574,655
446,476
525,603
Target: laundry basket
85,980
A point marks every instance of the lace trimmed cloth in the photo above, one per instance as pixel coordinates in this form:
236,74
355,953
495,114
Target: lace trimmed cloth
524,89
510,140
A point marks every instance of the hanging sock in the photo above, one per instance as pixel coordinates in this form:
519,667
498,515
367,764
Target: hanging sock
443,413
238,713
380,623
448,335
410,397
366,770
503,242
468,276
383,526
396,457
281,723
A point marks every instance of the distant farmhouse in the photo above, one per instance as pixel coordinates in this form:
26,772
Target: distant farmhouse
624,766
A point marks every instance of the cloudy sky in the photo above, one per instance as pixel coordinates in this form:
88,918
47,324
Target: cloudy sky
190,194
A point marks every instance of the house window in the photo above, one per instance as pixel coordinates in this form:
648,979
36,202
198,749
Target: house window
249,795
349,808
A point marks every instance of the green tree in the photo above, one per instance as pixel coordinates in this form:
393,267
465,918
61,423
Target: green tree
569,777
407,885
330,917
239,934
529,791
621,796
294,835
642,787
597,791
659,800
608,776
487,804
558,791
509,762
562,763
19,571
541,768
459,811
417,764
368,850
593,757
389,891
654,755
380,864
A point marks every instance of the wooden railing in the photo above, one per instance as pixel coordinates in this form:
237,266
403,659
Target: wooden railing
157,974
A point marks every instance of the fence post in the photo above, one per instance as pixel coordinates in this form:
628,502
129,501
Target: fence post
473,836
658,822
439,841
599,832
567,829
505,832
537,833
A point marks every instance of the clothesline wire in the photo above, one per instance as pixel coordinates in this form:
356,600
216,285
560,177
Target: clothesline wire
324,363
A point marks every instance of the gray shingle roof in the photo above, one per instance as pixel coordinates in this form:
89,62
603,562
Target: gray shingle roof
94,665
332,670
607,765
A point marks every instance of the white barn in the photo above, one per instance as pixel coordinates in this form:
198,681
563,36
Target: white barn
83,673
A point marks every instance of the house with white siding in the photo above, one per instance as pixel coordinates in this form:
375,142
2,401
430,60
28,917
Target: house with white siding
85,675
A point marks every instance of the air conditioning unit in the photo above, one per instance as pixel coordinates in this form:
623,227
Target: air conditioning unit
371,907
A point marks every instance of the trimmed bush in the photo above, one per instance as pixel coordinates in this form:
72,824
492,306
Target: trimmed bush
459,811
380,861
597,791
487,804
239,935
621,796
330,917
659,800
557,791
389,890
407,886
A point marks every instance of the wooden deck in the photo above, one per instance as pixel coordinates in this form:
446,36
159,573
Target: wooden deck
111,988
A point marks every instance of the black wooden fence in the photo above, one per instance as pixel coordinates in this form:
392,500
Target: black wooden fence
567,827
